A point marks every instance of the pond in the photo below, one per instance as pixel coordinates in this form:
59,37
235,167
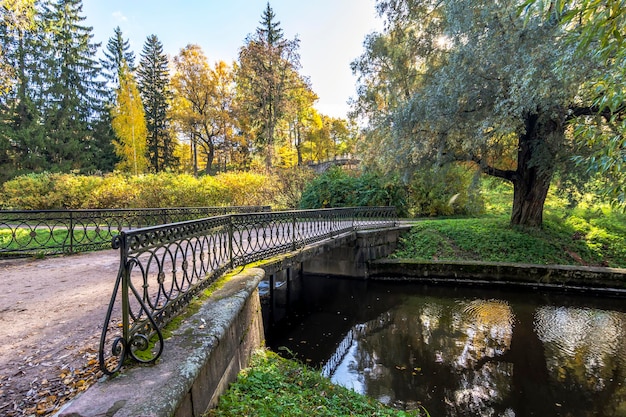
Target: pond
457,351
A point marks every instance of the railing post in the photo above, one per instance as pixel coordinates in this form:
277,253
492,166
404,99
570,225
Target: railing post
293,231
353,218
231,238
125,288
71,231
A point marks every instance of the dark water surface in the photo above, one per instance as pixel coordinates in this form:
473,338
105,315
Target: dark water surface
458,351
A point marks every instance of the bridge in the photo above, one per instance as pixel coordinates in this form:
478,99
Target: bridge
323,166
149,278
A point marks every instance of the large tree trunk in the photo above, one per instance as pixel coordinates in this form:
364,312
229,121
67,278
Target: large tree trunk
535,167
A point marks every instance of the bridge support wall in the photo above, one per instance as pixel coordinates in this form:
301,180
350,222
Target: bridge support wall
202,357
352,259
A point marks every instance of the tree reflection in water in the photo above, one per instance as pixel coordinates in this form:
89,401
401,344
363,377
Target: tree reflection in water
464,355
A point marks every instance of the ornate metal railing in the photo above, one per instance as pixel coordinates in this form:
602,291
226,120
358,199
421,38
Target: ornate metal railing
46,232
163,267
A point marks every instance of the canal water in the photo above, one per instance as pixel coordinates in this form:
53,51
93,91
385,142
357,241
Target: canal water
457,351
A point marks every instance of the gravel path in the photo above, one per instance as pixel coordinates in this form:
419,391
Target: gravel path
51,315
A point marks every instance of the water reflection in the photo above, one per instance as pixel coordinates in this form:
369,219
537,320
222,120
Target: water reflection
464,355
585,353
407,354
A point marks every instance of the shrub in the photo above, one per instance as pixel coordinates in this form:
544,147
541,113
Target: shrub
291,183
47,191
446,191
340,188
27,192
72,191
113,191
247,188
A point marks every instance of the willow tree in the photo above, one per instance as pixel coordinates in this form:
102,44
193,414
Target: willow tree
598,27
465,80
129,125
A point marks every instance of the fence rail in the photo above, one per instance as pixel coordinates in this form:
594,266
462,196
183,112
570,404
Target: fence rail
47,232
163,267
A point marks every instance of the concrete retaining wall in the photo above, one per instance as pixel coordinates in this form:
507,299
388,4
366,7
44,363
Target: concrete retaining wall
351,258
198,362
596,279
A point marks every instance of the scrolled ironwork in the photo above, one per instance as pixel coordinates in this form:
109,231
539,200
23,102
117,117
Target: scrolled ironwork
163,267
32,232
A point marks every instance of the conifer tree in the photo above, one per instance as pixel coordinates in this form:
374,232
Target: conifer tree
116,52
153,79
21,136
69,87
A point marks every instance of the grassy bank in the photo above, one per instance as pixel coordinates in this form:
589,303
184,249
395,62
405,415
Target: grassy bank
589,234
274,386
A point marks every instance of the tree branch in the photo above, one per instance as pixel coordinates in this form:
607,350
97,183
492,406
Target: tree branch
606,113
507,174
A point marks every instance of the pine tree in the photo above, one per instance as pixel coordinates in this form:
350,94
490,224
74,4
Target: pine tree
70,89
116,52
153,79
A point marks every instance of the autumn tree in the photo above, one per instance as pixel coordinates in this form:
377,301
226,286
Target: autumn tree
300,115
154,84
264,78
18,17
129,125
203,103
470,81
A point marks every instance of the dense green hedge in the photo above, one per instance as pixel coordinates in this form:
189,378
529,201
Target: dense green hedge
68,191
340,188
445,192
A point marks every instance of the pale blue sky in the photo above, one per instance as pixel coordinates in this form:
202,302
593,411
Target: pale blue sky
331,33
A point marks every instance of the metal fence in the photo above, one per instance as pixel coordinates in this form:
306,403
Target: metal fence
162,268
47,232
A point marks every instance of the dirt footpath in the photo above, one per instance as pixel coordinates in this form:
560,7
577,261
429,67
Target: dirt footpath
51,315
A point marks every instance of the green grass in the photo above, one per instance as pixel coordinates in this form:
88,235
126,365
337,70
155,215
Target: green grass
585,235
274,386
21,239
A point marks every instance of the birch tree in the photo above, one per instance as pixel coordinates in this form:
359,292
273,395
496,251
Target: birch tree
129,125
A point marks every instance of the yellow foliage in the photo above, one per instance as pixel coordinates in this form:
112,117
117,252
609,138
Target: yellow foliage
129,125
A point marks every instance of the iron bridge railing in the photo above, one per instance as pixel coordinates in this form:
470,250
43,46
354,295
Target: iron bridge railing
163,267
48,232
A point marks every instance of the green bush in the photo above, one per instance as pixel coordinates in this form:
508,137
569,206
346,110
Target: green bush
447,191
341,188
69,191
47,191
